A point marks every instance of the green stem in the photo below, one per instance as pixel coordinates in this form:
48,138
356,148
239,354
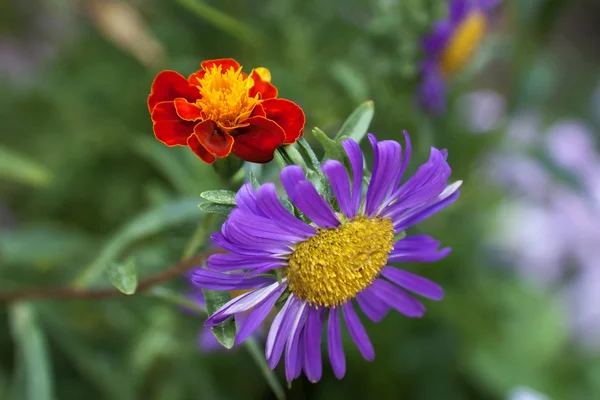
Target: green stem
259,359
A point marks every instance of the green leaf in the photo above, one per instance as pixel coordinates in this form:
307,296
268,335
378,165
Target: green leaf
32,348
224,332
15,167
308,153
333,150
222,209
253,180
219,196
294,156
357,124
54,244
123,276
150,223
223,21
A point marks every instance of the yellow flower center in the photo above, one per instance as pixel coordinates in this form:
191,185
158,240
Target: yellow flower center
463,43
225,98
332,267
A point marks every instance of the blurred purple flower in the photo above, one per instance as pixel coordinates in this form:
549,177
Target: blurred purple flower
482,111
547,228
449,47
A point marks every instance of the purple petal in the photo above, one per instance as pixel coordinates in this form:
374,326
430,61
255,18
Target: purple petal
291,348
418,248
241,303
398,299
220,240
258,315
232,262
435,43
427,183
405,158
357,332
374,308
238,235
356,161
447,197
385,170
214,280
300,357
334,344
337,175
459,10
276,326
245,199
312,345
277,338
304,195
262,227
269,203
415,283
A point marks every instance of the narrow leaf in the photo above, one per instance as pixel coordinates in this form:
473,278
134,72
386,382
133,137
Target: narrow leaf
222,209
15,167
32,347
219,196
222,21
254,181
123,276
225,332
357,124
333,150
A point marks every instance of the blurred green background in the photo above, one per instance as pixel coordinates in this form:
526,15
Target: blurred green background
84,184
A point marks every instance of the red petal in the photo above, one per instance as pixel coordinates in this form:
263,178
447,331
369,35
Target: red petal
186,110
286,114
168,127
258,111
266,89
196,77
225,64
213,139
199,150
257,141
167,86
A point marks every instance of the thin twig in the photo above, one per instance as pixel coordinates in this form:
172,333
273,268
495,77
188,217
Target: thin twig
69,293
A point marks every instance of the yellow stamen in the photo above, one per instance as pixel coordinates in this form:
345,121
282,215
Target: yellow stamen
332,267
225,98
463,43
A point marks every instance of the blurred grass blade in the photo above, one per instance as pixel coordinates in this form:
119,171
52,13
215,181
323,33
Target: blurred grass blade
145,225
188,176
15,167
94,365
222,21
123,276
357,124
259,358
32,348
224,332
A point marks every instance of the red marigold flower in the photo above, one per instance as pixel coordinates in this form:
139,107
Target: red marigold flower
220,109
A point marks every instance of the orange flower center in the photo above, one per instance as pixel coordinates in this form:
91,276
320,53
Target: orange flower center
463,43
225,98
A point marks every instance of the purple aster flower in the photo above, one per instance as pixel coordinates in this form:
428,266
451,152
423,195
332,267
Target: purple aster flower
338,259
449,47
